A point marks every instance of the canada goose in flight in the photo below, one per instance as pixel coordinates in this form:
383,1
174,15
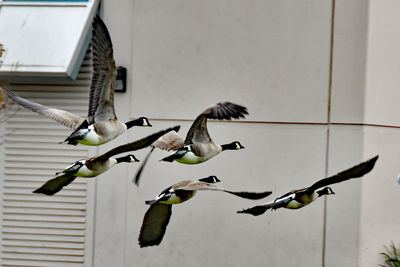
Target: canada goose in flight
101,124
156,219
97,165
299,198
198,146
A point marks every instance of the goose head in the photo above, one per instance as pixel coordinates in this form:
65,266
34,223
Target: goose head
325,191
142,121
128,158
236,145
210,179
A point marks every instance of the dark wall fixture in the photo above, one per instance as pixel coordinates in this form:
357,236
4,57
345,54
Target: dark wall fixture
120,85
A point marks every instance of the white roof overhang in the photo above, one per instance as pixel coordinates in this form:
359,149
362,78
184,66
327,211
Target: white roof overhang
44,39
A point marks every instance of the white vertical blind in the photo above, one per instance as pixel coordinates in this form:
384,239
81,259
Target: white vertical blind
39,230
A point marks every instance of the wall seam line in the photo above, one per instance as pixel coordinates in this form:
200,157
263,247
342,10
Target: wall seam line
325,212
287,123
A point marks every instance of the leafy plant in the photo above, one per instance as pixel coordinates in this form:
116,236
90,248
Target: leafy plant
392,256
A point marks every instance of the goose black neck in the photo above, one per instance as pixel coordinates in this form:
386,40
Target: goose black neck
123,159
132,123
322,192
231,146
210,179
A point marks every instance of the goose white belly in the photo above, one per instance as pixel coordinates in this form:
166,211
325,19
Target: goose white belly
85,172
92,138
294,204
174,199
191,158
111,130
98,169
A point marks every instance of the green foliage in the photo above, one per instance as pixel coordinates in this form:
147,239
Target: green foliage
392,256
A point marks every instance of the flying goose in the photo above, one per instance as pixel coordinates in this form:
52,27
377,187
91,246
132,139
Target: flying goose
299,198
198,146
101,124
156,219
96,165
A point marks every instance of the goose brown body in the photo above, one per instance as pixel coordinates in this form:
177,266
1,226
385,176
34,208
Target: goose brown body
299,198
157,217
198,146
101,124
97,165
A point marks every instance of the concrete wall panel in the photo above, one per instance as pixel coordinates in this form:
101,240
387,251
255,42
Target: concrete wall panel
349,61
272,56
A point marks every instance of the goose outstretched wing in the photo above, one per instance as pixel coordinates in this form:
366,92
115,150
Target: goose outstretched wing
353,172
54,185
154,224
199,185
198,132
136,145
101,103
66,118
